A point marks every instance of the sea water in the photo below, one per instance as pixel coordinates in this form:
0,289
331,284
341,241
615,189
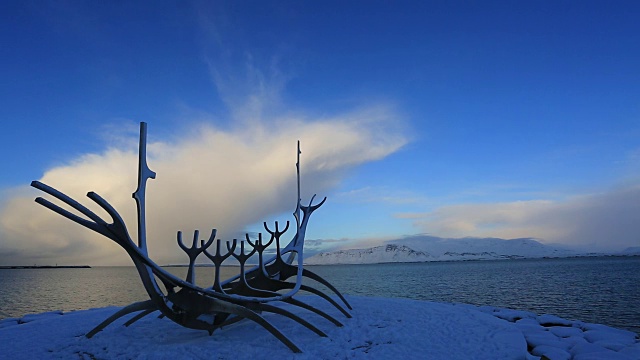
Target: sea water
602,290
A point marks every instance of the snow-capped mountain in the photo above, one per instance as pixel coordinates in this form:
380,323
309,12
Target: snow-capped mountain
374,255
430,248
481,248
631,251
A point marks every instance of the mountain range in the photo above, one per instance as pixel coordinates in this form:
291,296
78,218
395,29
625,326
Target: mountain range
423,248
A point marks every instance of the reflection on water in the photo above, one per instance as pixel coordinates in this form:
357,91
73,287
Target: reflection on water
600,290
37,290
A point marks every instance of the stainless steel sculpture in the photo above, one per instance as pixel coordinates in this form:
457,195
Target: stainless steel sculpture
245,296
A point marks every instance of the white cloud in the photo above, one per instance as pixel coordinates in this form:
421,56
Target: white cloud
607,221
209,177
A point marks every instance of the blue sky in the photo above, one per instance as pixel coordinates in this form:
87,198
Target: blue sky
495,118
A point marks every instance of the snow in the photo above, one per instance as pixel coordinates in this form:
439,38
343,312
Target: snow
450,248
430,248
631,251
380,329
374,255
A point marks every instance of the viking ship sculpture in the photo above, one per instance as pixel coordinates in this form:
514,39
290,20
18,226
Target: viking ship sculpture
254,291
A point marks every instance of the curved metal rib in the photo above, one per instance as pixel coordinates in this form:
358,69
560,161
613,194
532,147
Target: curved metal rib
318,278
326,297
142,305
306,306
139,316
292,316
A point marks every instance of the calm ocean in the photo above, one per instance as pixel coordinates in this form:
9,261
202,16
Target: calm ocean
602,290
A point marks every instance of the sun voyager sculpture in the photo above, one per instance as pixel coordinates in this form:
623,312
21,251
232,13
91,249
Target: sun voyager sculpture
254,291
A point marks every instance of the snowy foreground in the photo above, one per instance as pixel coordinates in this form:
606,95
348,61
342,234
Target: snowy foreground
380,329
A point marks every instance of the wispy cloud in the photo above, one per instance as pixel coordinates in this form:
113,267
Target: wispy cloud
380,194
600,222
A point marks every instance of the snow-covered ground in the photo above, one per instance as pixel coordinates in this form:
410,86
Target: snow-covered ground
380,329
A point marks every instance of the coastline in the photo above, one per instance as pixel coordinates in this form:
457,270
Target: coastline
510,258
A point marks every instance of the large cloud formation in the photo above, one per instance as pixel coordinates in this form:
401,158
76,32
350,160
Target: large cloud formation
606,221
209,177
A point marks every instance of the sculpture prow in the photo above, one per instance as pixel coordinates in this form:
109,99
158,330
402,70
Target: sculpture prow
243,296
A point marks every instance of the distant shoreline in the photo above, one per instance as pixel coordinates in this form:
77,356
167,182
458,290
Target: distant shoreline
47,267
581,256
